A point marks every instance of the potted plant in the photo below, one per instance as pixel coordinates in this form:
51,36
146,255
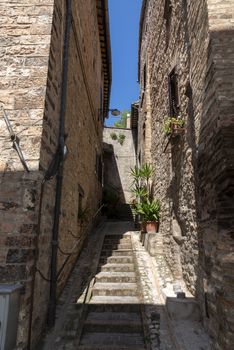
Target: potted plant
150,213
173,126
143,204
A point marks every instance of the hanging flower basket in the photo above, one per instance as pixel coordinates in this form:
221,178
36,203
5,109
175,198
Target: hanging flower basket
173,126
177,129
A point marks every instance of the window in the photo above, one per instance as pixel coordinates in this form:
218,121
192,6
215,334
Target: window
144,77
167,10
98,167
100,114
144,131
167,17
80,202
173,89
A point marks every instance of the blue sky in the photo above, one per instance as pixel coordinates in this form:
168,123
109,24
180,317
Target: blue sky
124,27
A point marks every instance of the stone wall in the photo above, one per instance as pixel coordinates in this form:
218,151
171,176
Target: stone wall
25,46
32,39
118,161
194,170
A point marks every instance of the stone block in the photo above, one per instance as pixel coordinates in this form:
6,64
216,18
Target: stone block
183,309
153,243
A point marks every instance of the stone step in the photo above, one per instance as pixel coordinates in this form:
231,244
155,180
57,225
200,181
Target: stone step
107,347
115,289
117,267
114,304
119,252
118,240
113,322
96,340
118,235
117,260
116,277
116,246
101,299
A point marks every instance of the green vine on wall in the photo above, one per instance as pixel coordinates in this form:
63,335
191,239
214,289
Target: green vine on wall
120,138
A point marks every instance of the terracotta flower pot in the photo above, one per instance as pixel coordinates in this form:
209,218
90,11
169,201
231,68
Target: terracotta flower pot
152,226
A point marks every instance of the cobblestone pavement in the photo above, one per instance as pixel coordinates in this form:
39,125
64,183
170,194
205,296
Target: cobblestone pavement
159,333
69,312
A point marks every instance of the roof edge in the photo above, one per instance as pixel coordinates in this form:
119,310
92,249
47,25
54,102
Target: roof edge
104,31
142,20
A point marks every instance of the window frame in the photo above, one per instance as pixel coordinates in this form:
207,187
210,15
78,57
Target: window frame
173,92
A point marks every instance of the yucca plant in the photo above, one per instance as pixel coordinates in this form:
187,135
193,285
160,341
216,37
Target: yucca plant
149,210
147,171
144,204
136,175
140,191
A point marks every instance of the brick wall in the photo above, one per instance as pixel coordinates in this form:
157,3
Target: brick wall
32,36
194,171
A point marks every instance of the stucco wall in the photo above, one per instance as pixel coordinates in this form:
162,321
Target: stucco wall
119,161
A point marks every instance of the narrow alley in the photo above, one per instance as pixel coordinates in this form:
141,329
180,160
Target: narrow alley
116,175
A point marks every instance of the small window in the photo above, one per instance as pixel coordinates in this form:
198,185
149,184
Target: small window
206,305
144,77
144,81
173,89
98,167
144,127
167,10
167,17
100,114
80,202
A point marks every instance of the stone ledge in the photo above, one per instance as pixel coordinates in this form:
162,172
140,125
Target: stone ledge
153,243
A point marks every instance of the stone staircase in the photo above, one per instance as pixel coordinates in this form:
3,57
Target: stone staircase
113,316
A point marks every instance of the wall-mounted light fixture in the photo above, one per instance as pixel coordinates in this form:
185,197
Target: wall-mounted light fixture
115,112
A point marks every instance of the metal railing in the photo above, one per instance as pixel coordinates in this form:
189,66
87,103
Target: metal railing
15,140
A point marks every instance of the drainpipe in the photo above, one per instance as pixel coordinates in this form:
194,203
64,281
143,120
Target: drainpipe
59,177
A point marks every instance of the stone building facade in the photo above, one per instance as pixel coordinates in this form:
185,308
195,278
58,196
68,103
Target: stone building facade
55,87
186,70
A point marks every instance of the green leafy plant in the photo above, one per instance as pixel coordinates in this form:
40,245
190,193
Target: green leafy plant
167,126
147,172
169,122
114,136
149,210
135,174
139,191
121,139
122,122
144,204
